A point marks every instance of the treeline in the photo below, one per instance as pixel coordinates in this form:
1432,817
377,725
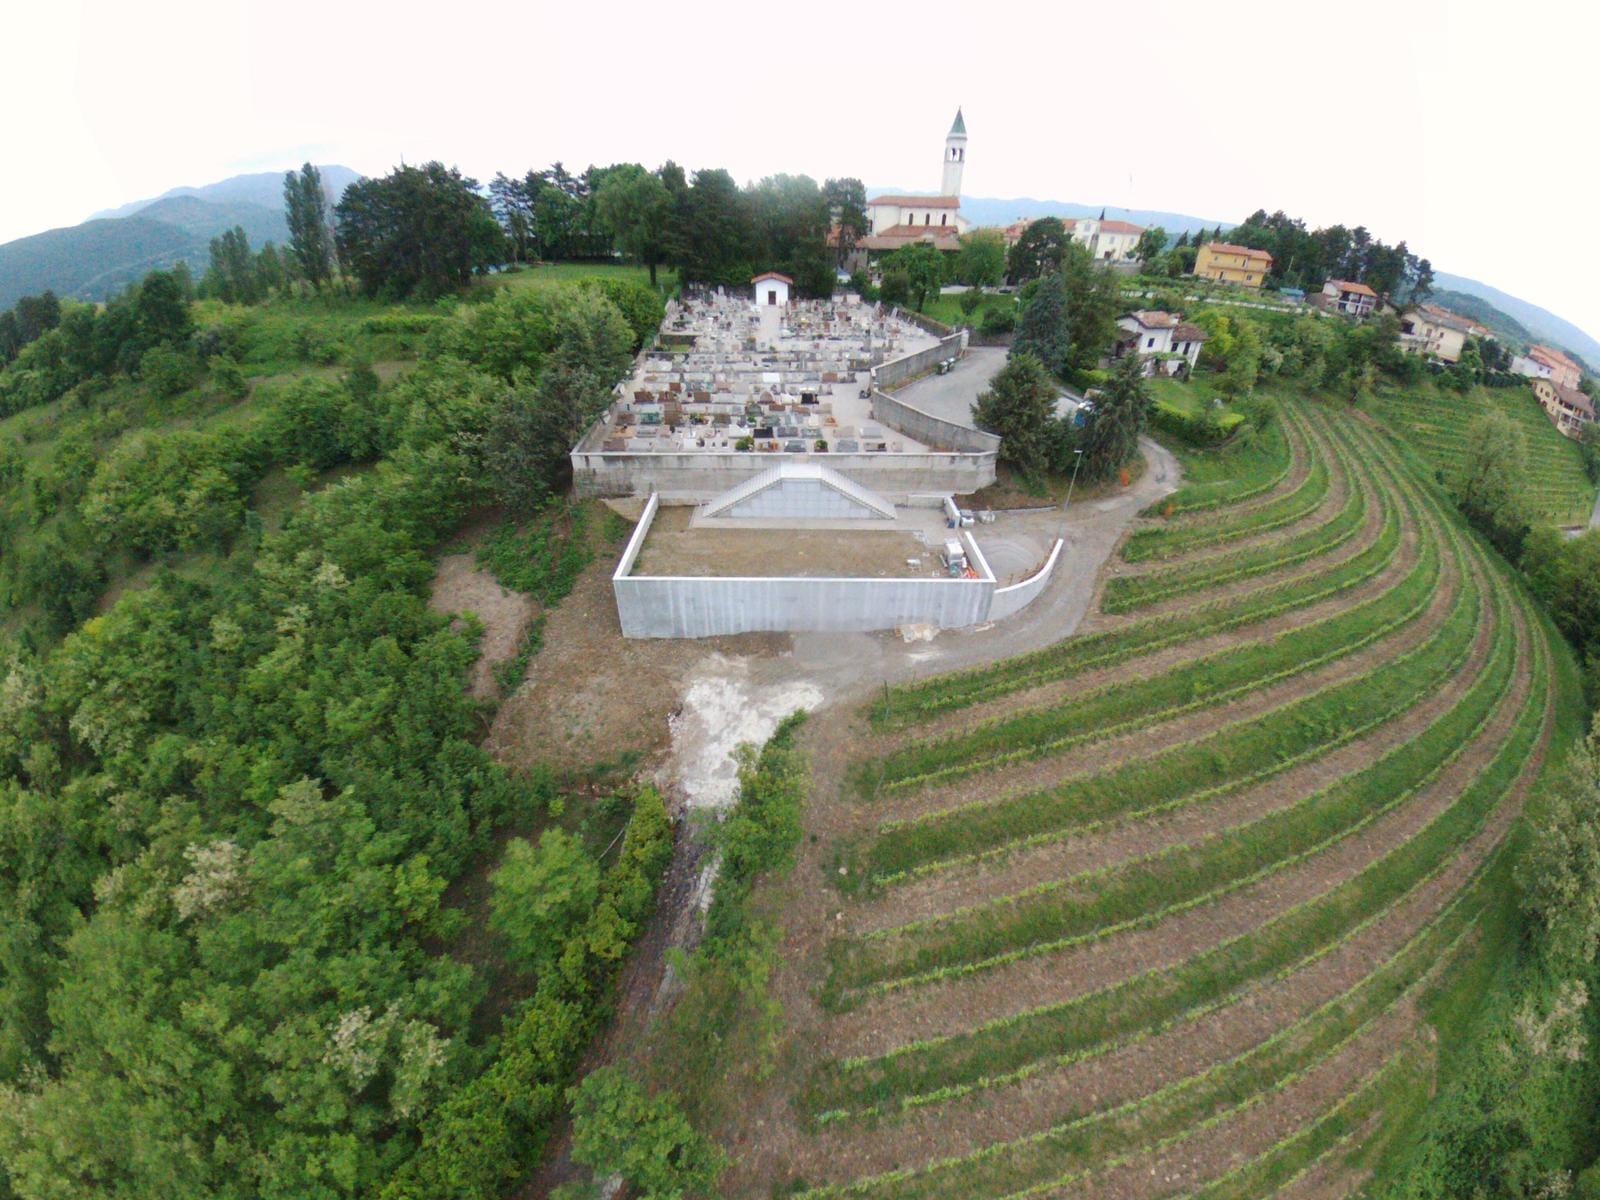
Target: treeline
1307,258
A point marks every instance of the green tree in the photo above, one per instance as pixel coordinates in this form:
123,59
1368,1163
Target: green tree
1111,436
1042,331
1037,251
847,214
1559,875
1150,245
417,232
1092,301
981,261
637,207
620,1129
1020,406
305,210
542,894
924,270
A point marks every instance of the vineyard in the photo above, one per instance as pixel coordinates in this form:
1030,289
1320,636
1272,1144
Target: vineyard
1439,425
1159,910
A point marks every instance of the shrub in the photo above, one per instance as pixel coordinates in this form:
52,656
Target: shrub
997,321
166,371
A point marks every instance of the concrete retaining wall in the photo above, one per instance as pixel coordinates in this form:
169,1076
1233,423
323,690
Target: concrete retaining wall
678,606
929,429
909,366
701,473
1009,600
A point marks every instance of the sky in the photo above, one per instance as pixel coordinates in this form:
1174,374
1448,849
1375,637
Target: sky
1464,128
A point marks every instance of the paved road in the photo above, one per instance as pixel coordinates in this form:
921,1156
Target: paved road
950,396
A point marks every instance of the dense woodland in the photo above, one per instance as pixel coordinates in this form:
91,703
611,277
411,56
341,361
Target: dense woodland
240,777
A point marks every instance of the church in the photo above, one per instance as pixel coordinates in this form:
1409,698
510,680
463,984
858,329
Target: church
905,220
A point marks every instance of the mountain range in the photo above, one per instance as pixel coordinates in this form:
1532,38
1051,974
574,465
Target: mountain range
116,246
112,248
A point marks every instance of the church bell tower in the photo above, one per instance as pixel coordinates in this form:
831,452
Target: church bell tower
955,157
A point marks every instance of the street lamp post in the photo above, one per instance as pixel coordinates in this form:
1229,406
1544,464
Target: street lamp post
1073,482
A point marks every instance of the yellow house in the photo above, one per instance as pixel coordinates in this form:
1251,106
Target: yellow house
1232,264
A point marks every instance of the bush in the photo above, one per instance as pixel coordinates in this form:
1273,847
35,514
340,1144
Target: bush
997,321
166,371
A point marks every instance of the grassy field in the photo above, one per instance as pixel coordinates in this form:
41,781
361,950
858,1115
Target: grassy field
544,275
1438,423
1169,908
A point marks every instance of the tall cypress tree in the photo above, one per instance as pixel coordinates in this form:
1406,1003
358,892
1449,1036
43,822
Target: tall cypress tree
306,211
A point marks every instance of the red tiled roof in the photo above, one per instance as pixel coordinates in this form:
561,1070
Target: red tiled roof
945,237
1359,289
1230,248
918,201
1550,356
1154,319
770,275
1189,333
1120,227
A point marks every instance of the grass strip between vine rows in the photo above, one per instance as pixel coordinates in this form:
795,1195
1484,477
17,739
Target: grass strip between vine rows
1267,460
1120,707
1126,592
1141,891
1060,1153
1016,1046
915,702
1169,541
1227,759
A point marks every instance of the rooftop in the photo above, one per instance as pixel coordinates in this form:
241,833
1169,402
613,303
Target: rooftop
1358,289
1230,248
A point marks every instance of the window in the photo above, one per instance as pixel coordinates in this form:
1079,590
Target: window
944,218
927,218
1149,342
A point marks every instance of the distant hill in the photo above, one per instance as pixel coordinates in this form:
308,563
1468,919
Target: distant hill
987,211
95,259
1507,328
263,188
1538,324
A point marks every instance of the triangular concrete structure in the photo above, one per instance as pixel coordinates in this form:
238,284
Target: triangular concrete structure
799,491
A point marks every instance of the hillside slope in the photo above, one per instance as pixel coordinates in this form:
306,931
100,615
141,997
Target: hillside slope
1159,909
1541,322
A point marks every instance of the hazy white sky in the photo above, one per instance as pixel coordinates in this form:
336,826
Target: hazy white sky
1465,128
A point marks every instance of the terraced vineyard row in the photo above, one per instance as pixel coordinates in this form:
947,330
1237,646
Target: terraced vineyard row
1147,913
1554,484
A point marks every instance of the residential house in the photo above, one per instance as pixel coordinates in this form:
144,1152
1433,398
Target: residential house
1232,264
1346,296
1546,362
1569,408
1168,345
1436,332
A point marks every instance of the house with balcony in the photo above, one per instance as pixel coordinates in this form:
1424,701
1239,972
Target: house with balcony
1168,345
1436,333
1228,263
1346,296
1108,241
1569,408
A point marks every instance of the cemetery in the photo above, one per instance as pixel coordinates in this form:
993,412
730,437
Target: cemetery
732,386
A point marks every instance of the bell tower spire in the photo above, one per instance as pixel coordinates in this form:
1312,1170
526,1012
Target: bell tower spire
955,157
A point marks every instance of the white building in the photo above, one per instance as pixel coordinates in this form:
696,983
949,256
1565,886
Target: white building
901,220
1168,345
772,289
1108,241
